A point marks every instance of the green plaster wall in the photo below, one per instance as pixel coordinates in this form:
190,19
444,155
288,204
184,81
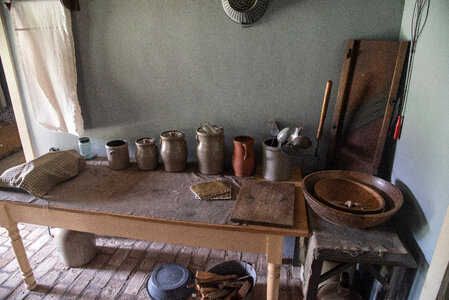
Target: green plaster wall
149,66
421,165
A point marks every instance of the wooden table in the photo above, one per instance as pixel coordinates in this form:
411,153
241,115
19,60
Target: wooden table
250,238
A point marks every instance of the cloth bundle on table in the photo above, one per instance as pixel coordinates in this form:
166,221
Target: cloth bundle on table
40,175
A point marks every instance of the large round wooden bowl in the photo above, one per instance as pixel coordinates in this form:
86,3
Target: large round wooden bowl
337,192
390,193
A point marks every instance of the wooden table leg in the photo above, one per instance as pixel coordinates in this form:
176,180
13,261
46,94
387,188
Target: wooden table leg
19,249
22,259
275,246
393,285
273,277
314,279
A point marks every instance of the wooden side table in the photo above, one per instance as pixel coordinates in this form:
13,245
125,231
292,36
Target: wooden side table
373,246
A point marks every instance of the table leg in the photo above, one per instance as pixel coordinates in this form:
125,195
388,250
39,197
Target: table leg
22,259
275,246
393,286
273,277
17,246
314,279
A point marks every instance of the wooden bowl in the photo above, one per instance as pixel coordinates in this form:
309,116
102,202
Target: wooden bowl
391,195
349,195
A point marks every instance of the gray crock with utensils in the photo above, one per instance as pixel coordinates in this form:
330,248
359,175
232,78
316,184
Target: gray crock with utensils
276,165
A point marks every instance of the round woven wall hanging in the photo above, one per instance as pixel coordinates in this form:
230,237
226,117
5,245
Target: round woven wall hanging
245,12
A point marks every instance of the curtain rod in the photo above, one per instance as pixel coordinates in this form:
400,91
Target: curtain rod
72,5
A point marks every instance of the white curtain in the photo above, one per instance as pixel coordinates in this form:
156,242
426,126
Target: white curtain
46,50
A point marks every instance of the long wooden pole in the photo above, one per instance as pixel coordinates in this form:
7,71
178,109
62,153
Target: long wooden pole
13,87
319,132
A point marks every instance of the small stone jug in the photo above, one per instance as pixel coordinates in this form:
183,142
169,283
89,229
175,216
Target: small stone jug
243,160
173,150
210,151
118,154
276,165
147,154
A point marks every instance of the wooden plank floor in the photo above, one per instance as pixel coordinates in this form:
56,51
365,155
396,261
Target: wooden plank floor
120,269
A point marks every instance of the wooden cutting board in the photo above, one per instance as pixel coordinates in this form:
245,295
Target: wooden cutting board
265,203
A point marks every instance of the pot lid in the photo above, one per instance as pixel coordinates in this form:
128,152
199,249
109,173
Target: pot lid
172,134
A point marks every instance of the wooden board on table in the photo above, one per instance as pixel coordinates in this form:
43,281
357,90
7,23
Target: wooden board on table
265,203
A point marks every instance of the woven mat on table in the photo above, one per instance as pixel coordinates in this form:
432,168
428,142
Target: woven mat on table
212,190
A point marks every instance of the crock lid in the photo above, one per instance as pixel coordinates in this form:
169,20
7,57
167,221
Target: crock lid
146,141
217,128
177,134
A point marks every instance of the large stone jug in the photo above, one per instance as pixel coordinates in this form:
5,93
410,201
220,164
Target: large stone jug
147,154
210,151
173,150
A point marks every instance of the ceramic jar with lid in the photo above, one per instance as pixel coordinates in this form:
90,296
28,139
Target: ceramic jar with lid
147,154
210,150
85,147
173,150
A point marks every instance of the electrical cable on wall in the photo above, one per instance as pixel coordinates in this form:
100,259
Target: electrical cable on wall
419,19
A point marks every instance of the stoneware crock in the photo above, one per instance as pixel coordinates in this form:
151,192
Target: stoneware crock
147,154
276,165
173,150
210,151
118,154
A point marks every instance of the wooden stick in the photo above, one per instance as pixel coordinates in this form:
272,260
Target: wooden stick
215,279
235,284
244,290
205,275
205,290
327,93
233,294
242,278
217,294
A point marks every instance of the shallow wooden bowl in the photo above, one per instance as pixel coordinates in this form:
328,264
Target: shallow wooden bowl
391,195
337,192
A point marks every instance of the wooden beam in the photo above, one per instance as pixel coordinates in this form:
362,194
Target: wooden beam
13,86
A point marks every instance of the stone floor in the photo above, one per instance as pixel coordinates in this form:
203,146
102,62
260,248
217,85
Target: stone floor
120,269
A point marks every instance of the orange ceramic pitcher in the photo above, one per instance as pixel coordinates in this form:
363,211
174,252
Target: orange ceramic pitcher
243,160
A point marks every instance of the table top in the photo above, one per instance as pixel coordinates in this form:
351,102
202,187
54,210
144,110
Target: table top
378,240
154,195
